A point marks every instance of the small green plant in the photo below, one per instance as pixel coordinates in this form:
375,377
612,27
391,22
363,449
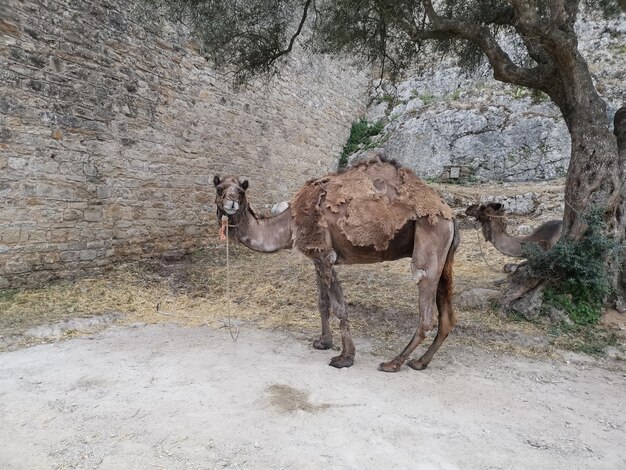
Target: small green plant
619,48
388,98
583,311
520,92
426,97
538,96
455,95
361,134
574,271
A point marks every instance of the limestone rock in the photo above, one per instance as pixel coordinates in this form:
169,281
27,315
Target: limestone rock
529,305
520,204
476,298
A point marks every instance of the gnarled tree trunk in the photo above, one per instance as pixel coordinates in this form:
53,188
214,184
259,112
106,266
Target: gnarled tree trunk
595,175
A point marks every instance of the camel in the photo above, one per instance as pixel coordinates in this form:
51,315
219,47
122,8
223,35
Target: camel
491,217
373,212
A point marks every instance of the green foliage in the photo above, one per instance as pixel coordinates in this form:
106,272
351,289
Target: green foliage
250,36
388,98
361,134
519,92
575,271
585,310
470,56
427,97
455,95
593,343
538,96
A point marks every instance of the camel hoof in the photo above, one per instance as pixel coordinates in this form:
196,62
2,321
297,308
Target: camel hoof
390,366
417,364
321,344
341,361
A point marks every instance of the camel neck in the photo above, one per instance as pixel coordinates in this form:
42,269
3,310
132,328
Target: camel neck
495,232
265,235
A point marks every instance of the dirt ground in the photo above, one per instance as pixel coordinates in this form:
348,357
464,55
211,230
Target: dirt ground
165,396
134,369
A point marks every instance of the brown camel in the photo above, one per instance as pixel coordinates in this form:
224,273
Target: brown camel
376,211
491,217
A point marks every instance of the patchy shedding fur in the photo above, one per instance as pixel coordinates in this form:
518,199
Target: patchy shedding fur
371,203
307,213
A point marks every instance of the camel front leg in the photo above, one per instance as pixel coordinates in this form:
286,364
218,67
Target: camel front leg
329,283
338,305
325,340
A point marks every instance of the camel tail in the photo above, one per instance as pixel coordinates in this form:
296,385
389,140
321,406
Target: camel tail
444,288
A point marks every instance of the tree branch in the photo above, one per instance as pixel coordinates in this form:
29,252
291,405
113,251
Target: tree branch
563,14
292,41
557,31
504,68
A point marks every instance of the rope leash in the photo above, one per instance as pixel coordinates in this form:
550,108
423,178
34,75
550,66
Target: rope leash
224,236
483,254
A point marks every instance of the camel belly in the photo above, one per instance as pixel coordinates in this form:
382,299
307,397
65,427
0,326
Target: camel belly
401,246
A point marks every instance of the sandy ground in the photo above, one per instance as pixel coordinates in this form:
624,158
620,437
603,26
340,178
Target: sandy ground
164,396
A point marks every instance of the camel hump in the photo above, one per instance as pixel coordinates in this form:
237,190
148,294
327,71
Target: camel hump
369,203
548,232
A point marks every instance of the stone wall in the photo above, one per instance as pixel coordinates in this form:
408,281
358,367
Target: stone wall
111,128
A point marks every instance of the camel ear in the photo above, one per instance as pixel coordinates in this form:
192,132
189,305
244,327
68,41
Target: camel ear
495,206
244,184
472,210
216,180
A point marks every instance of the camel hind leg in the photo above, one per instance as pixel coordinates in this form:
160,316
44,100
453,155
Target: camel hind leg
330,292
429,259
427,285
447,320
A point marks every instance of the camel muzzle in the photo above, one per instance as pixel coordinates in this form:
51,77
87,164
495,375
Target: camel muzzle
231,207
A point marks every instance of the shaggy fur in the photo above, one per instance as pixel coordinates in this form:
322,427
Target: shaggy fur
370,203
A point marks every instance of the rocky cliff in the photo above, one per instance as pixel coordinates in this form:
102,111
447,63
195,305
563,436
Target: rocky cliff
498,132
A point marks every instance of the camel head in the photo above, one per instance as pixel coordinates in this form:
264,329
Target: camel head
490,216
230,195
485,212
